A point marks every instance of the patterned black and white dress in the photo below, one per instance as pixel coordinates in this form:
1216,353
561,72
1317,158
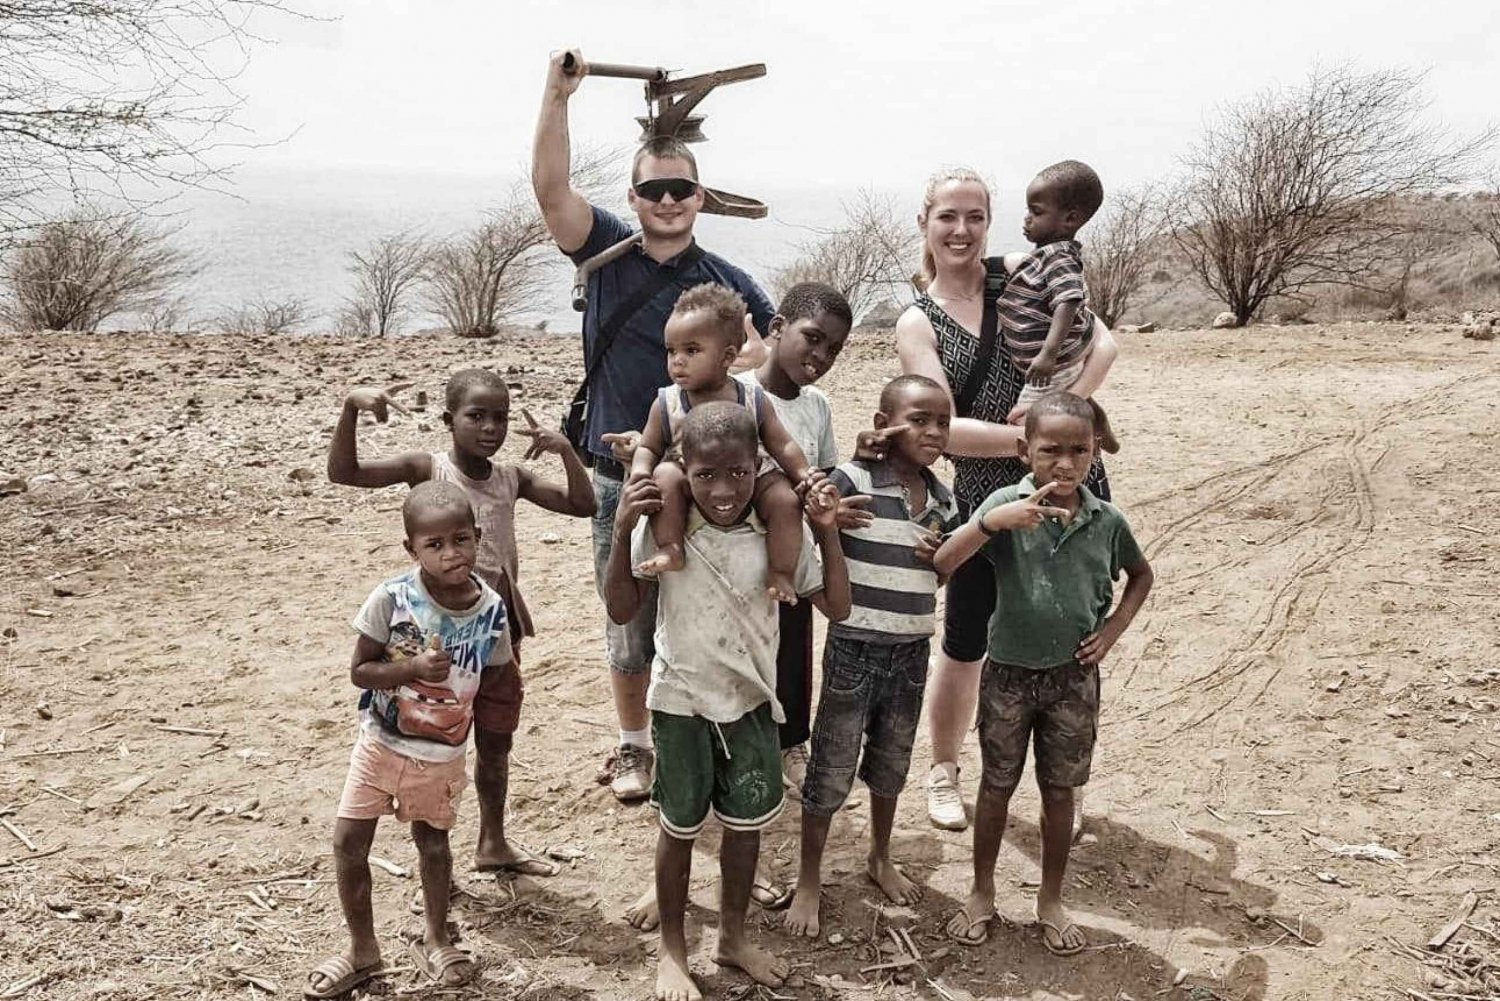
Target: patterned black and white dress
975,478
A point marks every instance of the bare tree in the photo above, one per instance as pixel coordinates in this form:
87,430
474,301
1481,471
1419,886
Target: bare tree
864,259
74,272
1482,212
265,316
97,93
1119,251
479,278
495,270
386,274
1287,190
1422,232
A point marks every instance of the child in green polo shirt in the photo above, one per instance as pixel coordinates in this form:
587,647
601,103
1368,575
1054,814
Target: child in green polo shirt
1056,550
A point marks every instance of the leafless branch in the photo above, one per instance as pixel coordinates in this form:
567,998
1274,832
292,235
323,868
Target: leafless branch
1118,252
1291,189
864,259
76,271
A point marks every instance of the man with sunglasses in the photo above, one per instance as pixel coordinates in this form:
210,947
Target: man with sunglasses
666,198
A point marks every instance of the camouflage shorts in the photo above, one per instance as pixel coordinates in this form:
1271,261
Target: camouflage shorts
1056,707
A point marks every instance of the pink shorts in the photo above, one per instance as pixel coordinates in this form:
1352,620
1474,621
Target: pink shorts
382,781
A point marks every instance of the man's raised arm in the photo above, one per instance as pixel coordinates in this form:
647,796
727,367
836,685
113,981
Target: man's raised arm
566,212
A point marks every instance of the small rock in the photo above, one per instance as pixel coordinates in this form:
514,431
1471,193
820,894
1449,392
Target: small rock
1145,328
43,710
549,538
302,475
41,478
1225,320
11,485
836,938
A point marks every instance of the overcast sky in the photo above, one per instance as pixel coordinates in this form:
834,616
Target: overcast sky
858,92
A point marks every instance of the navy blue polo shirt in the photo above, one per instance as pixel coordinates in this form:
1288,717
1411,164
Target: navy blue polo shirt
621,391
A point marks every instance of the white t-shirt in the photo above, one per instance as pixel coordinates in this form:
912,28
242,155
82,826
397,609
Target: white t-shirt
716,628
400,614
808,418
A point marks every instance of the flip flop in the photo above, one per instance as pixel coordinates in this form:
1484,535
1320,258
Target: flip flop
529,866
765,893
437,963
969,935
343,976
1061,936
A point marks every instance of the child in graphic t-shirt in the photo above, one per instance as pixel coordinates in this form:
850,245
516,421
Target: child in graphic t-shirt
477,413
424,639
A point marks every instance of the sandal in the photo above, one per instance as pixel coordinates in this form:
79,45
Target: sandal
767,895
341,975
436,964
966,931
1056,941
528,866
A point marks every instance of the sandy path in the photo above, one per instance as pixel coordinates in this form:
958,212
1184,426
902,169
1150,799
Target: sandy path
1316,667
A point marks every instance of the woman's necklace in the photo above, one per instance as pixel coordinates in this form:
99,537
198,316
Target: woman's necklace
942,296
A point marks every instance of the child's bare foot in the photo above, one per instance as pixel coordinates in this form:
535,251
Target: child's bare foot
760,965
779,586
673,981
642,914
892,881
804,917
665,561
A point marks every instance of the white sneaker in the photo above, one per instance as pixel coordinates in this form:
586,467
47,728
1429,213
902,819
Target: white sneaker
794,770
945,804
632,779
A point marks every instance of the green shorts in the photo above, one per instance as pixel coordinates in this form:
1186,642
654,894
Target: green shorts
732,768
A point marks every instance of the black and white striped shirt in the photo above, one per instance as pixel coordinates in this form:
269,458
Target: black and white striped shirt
894,596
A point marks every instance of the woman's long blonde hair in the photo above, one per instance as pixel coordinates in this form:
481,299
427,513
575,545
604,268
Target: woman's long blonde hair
928,269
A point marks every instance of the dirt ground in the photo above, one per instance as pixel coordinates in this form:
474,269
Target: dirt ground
1316,669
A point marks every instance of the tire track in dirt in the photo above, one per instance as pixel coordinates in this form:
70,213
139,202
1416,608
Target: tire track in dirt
1293,601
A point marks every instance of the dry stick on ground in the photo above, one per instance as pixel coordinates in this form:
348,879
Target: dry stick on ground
1470,901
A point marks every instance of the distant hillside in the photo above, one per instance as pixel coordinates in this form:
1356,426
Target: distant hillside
1462,272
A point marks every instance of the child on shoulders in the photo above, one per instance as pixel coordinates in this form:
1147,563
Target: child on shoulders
424,639
713,682
1045,323
875,661
477,415
703,336
1056,550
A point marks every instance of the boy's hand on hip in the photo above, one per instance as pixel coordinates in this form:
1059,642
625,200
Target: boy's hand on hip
543,440
852,512
622,444
1096,646
1026,513
872,445
431,666
378,401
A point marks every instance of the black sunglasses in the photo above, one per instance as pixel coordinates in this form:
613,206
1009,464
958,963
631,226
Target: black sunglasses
654,190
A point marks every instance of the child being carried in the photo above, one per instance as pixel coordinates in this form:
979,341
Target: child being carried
1045,323
704,336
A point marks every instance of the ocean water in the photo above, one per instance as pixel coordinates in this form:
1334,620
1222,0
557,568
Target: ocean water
287,234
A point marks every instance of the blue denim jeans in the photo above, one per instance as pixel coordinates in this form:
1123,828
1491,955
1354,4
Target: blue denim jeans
629,648
867,719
